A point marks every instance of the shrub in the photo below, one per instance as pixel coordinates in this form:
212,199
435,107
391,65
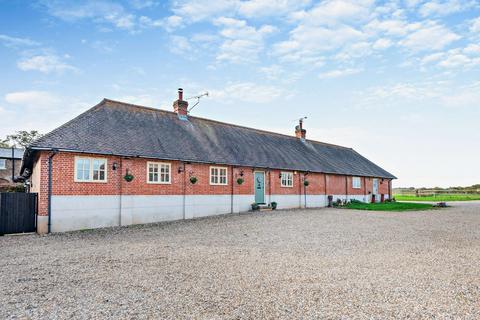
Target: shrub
14,188
356,201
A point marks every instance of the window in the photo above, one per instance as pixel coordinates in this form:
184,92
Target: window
356,183
218,175
3,164
287,179
90,169
158,172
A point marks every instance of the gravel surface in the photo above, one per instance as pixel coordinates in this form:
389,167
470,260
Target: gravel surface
298,264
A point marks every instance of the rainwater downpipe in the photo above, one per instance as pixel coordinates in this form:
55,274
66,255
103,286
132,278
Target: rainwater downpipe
231,197
50,168
184,191
346,188
305,187
13,163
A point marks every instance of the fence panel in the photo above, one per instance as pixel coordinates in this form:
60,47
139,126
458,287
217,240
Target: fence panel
17,212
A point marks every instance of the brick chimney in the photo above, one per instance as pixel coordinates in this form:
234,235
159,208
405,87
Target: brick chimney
299,131
180,106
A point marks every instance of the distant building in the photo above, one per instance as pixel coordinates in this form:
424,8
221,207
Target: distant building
7,163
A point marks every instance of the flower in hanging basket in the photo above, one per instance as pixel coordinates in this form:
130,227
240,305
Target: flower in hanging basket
128,177
239,180
193,180
306,183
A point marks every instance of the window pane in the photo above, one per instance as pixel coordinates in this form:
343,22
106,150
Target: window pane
3,164
83,169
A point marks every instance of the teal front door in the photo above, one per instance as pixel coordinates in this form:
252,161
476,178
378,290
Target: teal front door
259,187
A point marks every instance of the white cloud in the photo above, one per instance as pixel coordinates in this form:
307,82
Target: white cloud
109,13
382,44
170,23
465,58
32,98
339,73
273,72
247,92
475,26
261,8
242,43
46,63
181,46
429,36
13,42
197,10
312,42
445,7
472,48
100,11
335,12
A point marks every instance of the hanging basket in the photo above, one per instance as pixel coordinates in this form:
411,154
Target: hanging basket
306,183
128,177
240,180
193,180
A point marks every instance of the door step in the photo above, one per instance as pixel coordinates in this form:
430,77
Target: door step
264,207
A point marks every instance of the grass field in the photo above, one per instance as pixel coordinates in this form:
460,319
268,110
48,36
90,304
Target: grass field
389,206
438,198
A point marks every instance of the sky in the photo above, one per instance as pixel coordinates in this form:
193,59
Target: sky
398,81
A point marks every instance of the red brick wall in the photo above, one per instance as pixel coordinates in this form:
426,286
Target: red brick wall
336,184
64,184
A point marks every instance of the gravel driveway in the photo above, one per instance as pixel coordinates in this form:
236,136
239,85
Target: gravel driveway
299,264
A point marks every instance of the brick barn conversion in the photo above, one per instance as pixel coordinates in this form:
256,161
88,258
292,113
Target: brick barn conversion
182,167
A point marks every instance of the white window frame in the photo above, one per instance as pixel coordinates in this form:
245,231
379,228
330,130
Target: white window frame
4,166
288,175
159,164
91,159
219,176
356,185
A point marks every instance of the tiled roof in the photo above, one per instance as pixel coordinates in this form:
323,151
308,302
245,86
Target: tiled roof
118,128
7,153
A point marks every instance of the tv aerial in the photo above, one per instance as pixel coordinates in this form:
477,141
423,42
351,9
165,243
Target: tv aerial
198,99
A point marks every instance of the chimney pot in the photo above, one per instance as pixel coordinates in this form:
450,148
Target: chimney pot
180,94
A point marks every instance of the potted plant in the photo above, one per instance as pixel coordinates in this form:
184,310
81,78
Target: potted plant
193,180
255,206
240,181
273,204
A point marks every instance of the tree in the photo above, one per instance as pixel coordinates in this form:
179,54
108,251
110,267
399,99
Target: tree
4,144
21,138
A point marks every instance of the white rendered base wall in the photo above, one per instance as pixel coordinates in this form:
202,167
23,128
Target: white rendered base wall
71,213
88,212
